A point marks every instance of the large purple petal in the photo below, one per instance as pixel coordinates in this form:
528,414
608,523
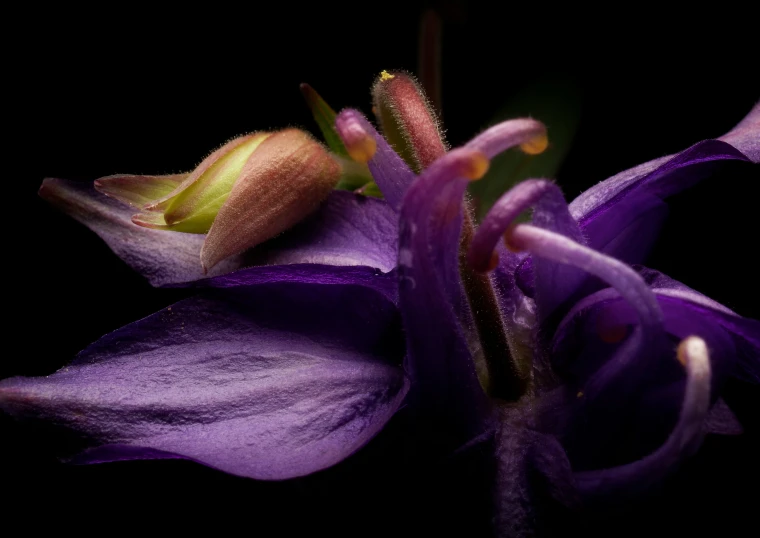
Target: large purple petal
621,216
347,230
269,382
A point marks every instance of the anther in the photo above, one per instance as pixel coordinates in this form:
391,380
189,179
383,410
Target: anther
535,145
475,166
361,146
692,346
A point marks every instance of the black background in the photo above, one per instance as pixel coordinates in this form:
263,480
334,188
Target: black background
130,90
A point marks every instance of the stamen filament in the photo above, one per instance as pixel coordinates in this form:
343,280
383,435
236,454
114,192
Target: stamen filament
623,278
683,440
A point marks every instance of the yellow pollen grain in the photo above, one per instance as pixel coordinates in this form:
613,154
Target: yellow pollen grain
476,166
362,149
535,145
580,394
385,75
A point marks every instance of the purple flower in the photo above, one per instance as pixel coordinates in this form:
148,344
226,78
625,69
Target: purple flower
586,377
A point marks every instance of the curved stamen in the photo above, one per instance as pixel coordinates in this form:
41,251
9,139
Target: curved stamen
617,274
523,196
364,144
439,363
527,133
683,440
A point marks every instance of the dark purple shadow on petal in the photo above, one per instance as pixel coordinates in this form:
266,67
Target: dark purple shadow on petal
392,175
446,390
268,382
306,273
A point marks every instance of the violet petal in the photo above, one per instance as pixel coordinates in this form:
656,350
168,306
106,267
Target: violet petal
271,382
307,273
626,204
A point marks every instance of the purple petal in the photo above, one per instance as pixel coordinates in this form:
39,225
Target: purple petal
626,206
746,135
392,175
346,230
162,257
447,390
268,382
686,312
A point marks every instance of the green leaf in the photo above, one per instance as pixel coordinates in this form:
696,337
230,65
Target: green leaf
554,102
325,118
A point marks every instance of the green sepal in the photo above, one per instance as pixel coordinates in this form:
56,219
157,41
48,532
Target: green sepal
325,116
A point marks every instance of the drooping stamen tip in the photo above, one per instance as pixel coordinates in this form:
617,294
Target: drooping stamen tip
475,166
536,145
361,146
691,348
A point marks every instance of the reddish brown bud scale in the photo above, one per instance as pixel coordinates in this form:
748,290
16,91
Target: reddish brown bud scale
286,179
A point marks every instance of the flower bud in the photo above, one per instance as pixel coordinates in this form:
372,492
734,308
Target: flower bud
286,179
249,190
